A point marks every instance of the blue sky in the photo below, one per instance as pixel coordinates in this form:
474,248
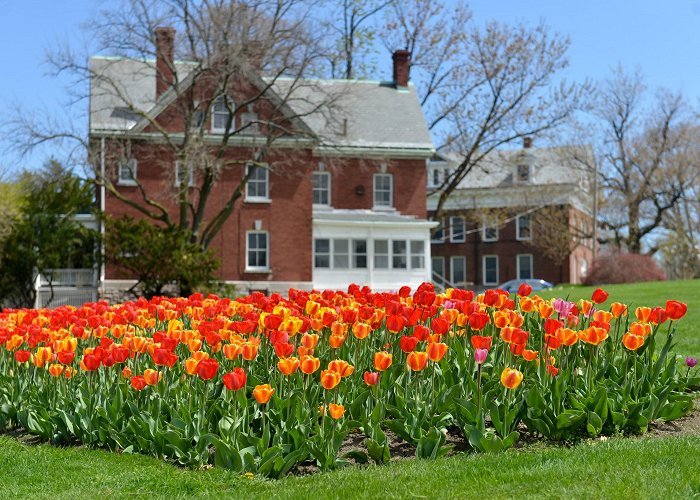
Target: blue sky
662,38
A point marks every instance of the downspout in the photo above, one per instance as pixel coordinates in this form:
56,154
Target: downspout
101,285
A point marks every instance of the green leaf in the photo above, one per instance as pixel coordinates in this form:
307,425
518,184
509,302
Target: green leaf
569,418
595,424
378,452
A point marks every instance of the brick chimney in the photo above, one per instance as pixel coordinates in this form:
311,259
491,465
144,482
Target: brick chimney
401,68
527,142
165,59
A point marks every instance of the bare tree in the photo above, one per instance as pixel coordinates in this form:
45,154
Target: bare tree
481,88
221,49
645,155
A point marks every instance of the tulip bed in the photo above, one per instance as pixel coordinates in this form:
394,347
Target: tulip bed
260,384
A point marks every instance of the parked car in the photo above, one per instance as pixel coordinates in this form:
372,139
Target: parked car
513,285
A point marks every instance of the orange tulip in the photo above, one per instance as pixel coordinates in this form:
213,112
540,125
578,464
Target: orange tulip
309,364
191,366
602,316
640,329
249,350
527,305
336,341
643,314
511,378
263,393
309,340
232,351
336,411
382,360
436,351
545,309
329,379
417,360
632,341
152,377
56,370
339,329
569,336
288,366
593,335
342,367
529,355
618,309
361,330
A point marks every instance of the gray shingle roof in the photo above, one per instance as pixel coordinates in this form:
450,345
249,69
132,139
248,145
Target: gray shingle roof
363,114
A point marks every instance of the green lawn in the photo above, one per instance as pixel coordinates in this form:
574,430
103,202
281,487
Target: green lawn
650,294
616,468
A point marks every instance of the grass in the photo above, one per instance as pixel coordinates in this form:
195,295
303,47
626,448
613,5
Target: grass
650,294
617,468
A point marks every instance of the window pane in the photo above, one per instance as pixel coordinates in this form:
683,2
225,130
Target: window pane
525,267
257,250
322,253
359,252
457,229
381,254
383,190
524,227
321,188
438,266
257,183
399,260
459,270
491,270
417,254
341,254
439,232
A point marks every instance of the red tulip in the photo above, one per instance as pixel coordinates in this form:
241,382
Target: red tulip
675,310
408,343
524,290
481,342
22,356
138,382
478,320
599,296
235,380
207,368
371,378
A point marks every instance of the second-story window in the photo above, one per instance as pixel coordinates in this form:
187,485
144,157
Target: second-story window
128,168
221,114
457,229
489,231
184,173
523,174
524,227
258,185
321,188
383,191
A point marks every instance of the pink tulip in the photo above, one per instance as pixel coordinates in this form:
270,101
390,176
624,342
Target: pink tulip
480,355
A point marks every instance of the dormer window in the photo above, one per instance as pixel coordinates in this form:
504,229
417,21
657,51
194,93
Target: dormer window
222,115
522,174
249,121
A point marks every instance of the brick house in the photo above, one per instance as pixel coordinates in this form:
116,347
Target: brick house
340,198
522,214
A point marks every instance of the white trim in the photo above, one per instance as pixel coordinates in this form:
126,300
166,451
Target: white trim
382,206
463,237
517,227
190,171
483,270
257,269
214,113
452,269
327,175
258,199
133,166
532,266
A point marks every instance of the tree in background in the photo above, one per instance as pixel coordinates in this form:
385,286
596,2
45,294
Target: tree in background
649,151
45,234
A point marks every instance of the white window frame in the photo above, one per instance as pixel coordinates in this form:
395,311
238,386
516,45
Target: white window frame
248,267
130,164
518,227
518,268
441,228
454,259
462,238
314,189
214,113
190,171
486,226
249,122
394,254
483,270
257,198
383,204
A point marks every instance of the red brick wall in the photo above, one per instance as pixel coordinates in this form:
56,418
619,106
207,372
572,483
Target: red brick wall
507,247
287,218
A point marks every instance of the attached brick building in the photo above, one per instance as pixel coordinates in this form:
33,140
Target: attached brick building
341,197
522,214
